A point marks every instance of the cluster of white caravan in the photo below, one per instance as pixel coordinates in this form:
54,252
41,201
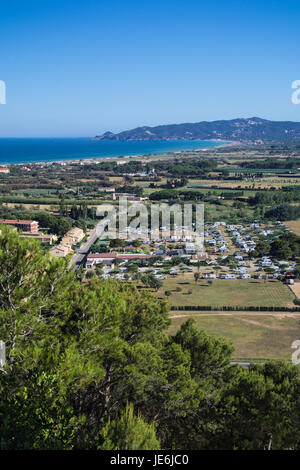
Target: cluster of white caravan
180,234
239,236
107,274
266,262
214,237
227,276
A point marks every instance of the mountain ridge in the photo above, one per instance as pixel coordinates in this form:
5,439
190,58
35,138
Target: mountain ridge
250,130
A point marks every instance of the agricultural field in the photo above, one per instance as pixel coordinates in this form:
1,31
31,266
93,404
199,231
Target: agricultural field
227,292
294,226
296,289
46,207
253,335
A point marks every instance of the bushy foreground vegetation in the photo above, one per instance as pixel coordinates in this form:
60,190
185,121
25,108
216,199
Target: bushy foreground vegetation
90,365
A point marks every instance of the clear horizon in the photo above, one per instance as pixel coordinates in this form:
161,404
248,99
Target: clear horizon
78,70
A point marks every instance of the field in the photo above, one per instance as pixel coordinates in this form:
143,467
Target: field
227,292
296,289
294,225
253,335
43,207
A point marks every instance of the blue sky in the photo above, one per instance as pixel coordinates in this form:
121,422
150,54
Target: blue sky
78,68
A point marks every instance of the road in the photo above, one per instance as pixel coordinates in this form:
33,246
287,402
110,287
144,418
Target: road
81,253
79,257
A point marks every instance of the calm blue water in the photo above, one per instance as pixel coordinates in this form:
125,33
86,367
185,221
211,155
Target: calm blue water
46,149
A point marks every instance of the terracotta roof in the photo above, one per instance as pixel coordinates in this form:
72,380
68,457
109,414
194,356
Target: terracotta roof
102,255
114,255
15,221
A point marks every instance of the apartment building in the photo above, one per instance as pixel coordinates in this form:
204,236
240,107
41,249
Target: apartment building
25,225
73,236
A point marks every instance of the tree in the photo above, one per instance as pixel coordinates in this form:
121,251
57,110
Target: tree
71,344
31,284
286,246
133,268
262,248
129,432
151,281
208,354
78,352
90,274
258,408
99,269
62,206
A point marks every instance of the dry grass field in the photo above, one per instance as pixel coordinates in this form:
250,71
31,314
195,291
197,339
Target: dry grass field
294,225
253,335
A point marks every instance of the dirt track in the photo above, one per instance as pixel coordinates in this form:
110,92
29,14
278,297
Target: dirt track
235,313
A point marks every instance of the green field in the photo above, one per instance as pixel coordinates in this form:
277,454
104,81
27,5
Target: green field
228,292
253,335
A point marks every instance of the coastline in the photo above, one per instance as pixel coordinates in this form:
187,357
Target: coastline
147,156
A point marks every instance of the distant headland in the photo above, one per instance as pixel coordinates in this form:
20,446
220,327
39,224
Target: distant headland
251,130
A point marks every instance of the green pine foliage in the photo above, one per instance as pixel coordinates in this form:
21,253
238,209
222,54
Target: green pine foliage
129,432
89,365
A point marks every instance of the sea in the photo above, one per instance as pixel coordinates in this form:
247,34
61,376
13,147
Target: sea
31,150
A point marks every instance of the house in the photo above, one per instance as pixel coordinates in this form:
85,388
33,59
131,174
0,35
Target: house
73,236
109,259
60,251
130,197
24,225
44,238
106,190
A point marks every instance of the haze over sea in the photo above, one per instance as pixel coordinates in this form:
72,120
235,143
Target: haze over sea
30,150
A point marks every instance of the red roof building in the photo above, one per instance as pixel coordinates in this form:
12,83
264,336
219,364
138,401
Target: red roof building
109,258
25,225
